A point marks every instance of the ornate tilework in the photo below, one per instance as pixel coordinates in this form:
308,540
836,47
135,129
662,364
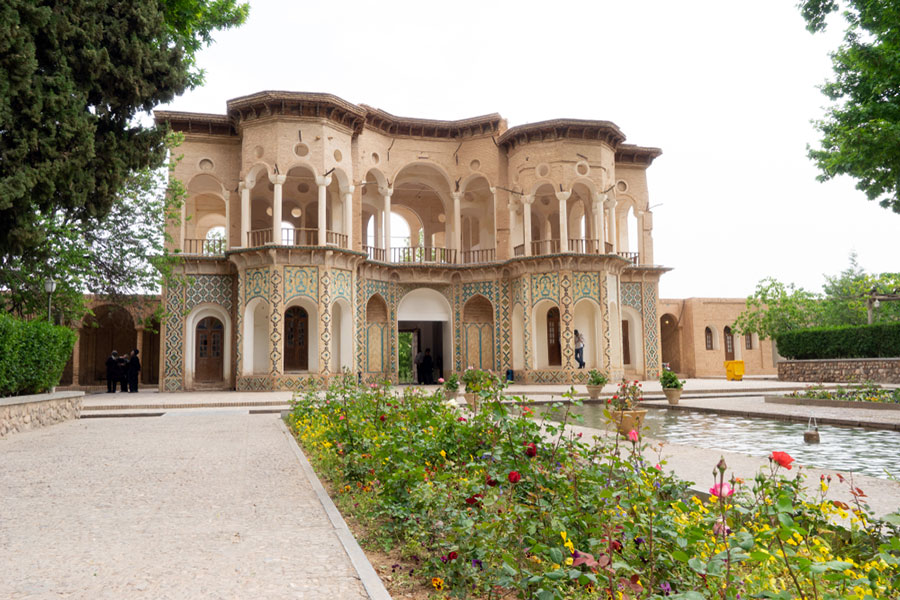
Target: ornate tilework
254,384
256,284
325,326
275,316
607,343
173,376
544,286
587,285
301,281
340,285
631,295
651,331
567,336
527,316
216,289
503,329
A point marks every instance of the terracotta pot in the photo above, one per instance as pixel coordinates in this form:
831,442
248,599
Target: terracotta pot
672,395
628,420
594,391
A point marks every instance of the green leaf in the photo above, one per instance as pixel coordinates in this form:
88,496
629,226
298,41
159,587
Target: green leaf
680,556
697,565
556,555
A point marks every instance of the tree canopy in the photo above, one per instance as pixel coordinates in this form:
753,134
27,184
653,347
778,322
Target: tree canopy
73,76
861,129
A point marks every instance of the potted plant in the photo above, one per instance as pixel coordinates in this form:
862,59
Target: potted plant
596,381
671,385
450,387
623,407
477,381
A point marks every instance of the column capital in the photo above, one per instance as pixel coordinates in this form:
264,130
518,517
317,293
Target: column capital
277,179
243,185
598,199
456,195
528,199
348,190
387,192
563,196
323,181
610,202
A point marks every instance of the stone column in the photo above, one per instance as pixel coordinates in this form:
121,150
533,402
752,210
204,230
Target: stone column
512,222
227,220
277,181
527,201
563,220
377,220
245,214
323,183
76,358
647,236
611,224
386,193
348,216
640,236
457,225
598,223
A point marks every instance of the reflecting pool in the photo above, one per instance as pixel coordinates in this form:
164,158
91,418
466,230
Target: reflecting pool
867,451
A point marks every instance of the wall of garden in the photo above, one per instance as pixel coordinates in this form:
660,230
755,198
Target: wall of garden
841,370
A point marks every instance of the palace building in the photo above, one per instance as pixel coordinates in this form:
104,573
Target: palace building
510,239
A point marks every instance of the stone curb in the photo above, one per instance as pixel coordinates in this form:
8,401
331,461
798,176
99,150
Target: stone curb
367,575
831,403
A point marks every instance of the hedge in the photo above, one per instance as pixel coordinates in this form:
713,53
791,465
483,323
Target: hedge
33,355
865,341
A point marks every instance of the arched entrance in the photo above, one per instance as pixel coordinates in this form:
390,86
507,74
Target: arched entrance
426,313
296,347
729,344
478,333
209,361
109,328
670,341
554,350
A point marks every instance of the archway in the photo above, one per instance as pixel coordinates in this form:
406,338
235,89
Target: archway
478,333
670,341
212,363
632,341
256,337
110,328
341,336
296,346
729,344
546,338
427,312
518,337
587,322
378,340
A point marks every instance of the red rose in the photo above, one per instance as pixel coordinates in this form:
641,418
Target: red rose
490,481
514,477
382,417
453,556
530,450
471,500
782,458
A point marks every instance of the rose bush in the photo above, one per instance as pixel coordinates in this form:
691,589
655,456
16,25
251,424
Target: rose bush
577,518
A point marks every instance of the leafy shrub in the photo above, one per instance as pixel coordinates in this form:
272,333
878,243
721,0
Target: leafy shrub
33,355
596,377
501,504
669,380
866,341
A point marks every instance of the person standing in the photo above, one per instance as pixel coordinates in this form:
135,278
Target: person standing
579,349
134,370
420,379
428,367
112,366
122,373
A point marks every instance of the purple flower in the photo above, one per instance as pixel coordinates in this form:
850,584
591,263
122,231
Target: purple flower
665,588
477,563
638,541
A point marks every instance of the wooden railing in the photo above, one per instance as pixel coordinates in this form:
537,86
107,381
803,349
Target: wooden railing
586,246
539,247
469,257
423,255
203,247
299,236
519,250
259,237
333,238
374,253
632,256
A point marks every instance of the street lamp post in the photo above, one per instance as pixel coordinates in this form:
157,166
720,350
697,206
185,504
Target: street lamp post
49,287
874,301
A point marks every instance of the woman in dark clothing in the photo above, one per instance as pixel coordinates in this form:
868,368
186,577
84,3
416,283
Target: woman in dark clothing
122,372
428,367
134,370
112,372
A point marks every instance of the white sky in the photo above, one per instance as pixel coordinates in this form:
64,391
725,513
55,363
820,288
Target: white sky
726,89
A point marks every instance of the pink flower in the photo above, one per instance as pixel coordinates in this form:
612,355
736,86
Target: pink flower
633,435
372,385
721,489
341,418
440,380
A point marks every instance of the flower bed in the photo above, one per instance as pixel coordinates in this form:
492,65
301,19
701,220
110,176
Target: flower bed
861,392
500,504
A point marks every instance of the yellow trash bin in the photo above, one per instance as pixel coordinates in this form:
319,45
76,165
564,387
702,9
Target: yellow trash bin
734,370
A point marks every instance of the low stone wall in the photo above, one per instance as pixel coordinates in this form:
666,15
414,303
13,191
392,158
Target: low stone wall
22,413
831,403
841,370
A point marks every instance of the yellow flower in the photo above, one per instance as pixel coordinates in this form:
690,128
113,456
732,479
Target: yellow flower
443,454
437,583
563,535
569,561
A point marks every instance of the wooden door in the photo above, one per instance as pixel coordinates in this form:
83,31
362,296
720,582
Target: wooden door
626,344
210,350
296,348
554,355
729,344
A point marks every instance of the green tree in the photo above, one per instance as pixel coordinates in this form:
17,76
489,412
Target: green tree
120,256
74,74
861,129
775,308
845,296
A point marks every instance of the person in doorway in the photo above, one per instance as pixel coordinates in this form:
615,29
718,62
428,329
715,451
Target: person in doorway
420,379
112,372
579,349
133,371
428,367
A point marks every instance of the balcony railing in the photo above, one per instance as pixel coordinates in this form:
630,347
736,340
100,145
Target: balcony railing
470,257
376,254
632,256
539,247
299,236
519,250
333,238
259,237
586,246
203,247
423,255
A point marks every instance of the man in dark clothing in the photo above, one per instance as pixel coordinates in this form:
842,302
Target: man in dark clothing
112,372
122,373
134,370
428,367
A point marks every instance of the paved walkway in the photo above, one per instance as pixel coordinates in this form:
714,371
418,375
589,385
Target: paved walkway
194,504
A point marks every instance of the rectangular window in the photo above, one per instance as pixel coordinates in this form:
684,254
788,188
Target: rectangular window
748,341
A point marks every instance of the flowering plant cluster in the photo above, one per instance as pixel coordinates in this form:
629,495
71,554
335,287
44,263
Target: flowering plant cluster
597,377
861,392
627,396
478,381
504,504
450,383
669,380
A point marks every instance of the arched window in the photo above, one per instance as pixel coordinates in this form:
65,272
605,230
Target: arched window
748,341
729,344
709,339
